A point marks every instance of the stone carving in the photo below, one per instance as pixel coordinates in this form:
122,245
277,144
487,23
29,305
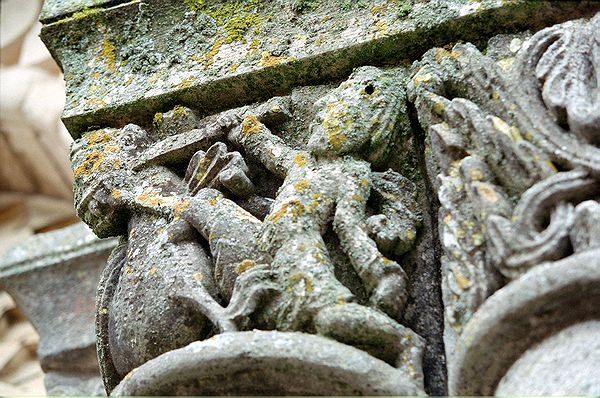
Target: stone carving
515,161
163,289
278,236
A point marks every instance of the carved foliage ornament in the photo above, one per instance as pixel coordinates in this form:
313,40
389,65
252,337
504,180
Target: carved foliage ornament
514,152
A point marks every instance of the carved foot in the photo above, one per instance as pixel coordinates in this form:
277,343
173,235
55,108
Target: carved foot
390,293
372,331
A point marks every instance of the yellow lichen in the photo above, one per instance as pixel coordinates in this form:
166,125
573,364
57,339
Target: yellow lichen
320,40
476,174
233,67
506,63
301,185
438,108
208,58
186,83
180,207
447,218
108,53
97,137
158,118
299,160
212,201
245,265
335,121
297,209
461,281
96,103
198,276
381,28
487,193
153,198
422,78
179,112
115,193
251,125
91,163
267,59
153,271
300,277
377,9
336,139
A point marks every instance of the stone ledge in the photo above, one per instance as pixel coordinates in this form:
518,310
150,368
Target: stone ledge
142,58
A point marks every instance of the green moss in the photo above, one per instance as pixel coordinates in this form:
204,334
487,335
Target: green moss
404,8
236,18
179,112
85,13
195,5
158,118
346,5
305,5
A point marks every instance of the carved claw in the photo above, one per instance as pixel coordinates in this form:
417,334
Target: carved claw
395,229
217,168
253,287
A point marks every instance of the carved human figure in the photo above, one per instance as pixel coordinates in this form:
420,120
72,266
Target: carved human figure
355,124
161,289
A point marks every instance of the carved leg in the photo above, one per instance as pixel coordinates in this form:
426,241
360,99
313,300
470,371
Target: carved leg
231,232
374,332
384,279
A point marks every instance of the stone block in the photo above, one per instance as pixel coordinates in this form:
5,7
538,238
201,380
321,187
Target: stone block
53,278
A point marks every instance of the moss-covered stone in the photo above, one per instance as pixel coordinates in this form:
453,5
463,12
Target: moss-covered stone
126,62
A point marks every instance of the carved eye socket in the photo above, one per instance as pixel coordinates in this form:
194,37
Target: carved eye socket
369,89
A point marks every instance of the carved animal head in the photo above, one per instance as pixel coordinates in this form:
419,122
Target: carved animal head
101,166
358,117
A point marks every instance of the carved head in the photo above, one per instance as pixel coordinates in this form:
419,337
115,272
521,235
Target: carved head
101,162
358,117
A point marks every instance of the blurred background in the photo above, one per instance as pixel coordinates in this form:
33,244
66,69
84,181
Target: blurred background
35,177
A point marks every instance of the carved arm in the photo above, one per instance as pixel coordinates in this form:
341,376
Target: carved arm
383,279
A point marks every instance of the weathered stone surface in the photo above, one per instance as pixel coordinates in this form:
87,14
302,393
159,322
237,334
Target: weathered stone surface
514,159
266,363
569,358
532,313
163,291
55,9
124,63
310,214
53,278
